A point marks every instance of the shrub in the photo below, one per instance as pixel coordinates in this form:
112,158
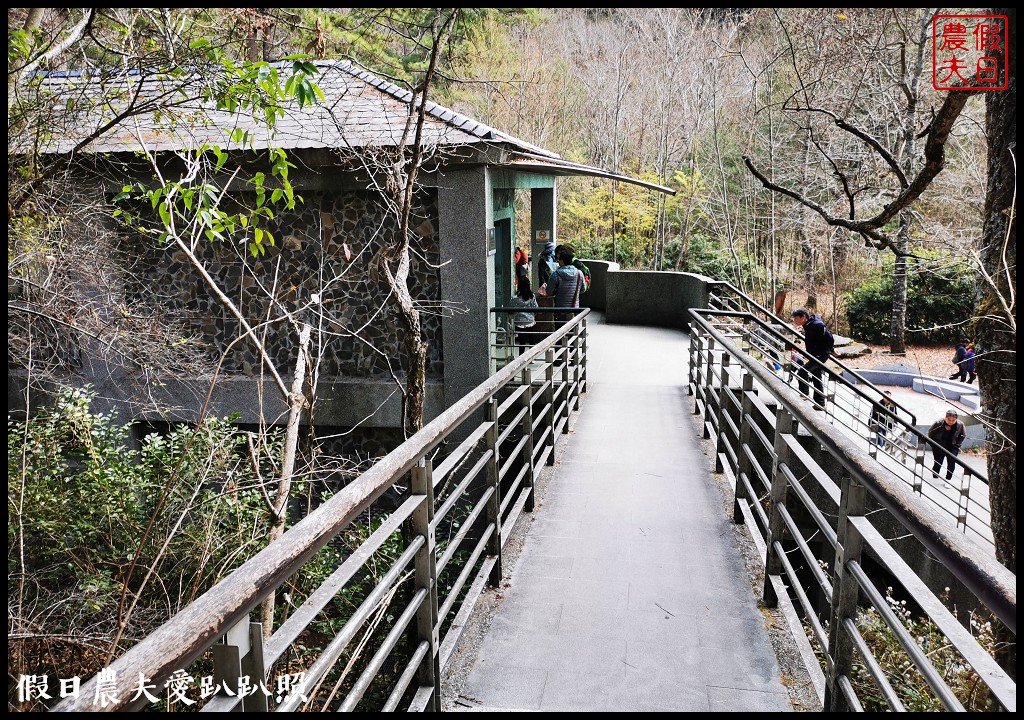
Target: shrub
940,299
79,505
910,686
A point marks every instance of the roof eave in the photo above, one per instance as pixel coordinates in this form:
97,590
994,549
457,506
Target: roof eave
551,166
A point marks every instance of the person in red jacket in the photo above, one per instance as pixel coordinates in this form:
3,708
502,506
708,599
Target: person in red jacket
522,267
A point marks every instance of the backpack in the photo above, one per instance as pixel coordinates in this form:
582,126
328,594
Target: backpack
830,340
827,338
586,273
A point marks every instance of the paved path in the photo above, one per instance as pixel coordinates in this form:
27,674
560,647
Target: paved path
630,593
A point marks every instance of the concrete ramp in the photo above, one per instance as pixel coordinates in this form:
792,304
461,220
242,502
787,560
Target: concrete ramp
630,592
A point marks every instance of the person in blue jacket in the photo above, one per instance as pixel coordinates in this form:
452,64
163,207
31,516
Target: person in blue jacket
546,263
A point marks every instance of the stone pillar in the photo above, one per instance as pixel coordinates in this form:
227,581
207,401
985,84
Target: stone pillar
467,278
542,217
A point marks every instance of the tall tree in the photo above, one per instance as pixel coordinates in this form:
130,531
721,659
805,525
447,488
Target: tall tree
995,323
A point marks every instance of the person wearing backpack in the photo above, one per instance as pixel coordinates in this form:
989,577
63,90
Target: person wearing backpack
818,343
565,284
578,264
964,361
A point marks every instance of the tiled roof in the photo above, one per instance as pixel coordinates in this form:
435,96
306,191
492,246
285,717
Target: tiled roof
359,110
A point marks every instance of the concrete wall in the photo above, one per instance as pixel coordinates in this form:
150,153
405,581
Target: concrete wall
596,298
645,297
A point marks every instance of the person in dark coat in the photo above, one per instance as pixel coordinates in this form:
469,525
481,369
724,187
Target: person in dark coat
946,437
960,360
818,344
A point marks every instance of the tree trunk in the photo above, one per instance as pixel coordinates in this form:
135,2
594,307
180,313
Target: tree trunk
898,319
416,380
279,511
911,83
807,253
996,330
803,239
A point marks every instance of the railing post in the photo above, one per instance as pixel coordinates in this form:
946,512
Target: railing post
722,412
426,578
549,399
784,426
743,465
494,482
565,384
919,460
241,655
527,430
583,358
575,344
845,590
709,379
694,360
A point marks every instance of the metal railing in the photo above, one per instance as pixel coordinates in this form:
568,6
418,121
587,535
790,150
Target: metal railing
851,407
835,525
724,296
411,582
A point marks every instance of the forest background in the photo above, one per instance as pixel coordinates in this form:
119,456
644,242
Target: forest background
835,104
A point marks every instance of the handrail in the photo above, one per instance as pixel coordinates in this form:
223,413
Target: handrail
979,570
793,480
793,331
790,345
185,637
909,462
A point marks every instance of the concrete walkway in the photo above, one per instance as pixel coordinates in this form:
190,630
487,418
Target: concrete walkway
630,592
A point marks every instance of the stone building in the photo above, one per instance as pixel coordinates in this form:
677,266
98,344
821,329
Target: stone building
327,249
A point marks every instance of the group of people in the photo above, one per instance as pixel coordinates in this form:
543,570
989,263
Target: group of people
562,277
963,358
945,436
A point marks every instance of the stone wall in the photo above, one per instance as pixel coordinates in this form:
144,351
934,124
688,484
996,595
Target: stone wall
362,335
